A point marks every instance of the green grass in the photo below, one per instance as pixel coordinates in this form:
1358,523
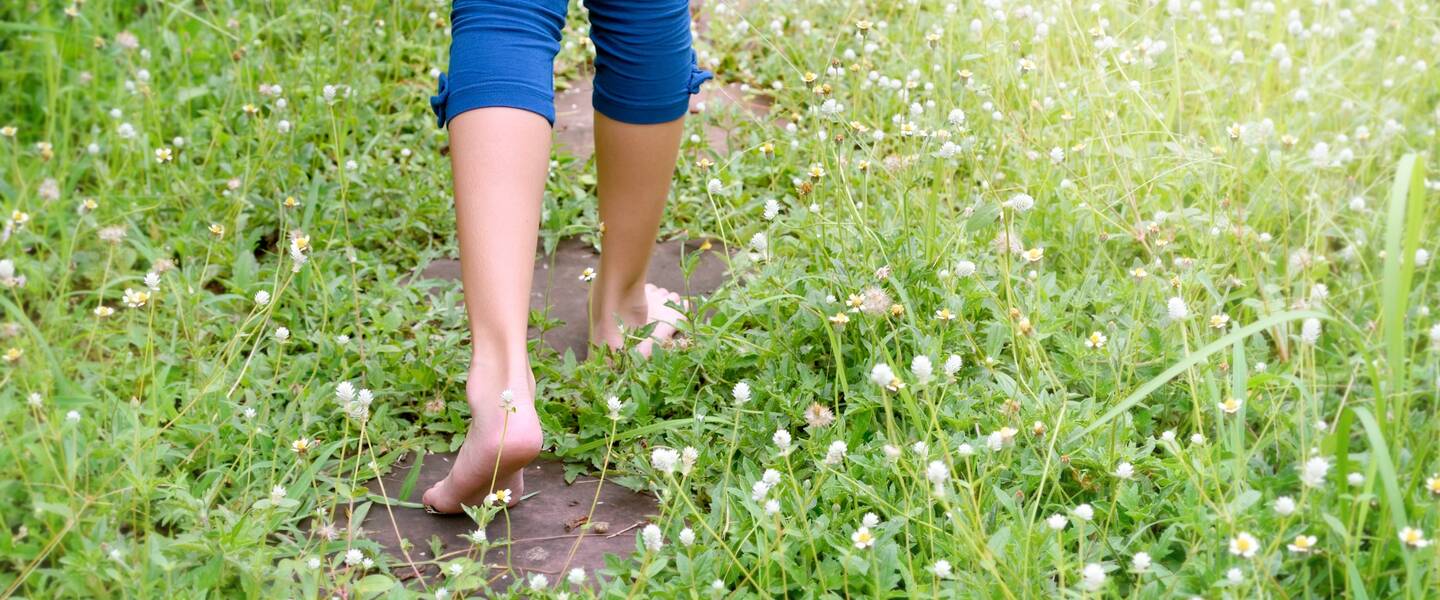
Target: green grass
150,452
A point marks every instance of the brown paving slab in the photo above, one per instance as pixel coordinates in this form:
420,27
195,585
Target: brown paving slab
542,530
575,115
558,293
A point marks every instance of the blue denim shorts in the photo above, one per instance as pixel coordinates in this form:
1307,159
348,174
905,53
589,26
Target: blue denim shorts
502,53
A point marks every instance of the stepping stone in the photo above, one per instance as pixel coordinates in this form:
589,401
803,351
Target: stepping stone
575,116
543,531
558,294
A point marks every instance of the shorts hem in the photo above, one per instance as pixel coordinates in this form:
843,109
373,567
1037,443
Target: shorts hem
450,103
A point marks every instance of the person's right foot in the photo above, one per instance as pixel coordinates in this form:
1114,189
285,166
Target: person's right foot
500,443
650,307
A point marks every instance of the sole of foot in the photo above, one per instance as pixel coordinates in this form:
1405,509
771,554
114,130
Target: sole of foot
504,437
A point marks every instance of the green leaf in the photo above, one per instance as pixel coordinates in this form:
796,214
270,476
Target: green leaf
373,585
1189,361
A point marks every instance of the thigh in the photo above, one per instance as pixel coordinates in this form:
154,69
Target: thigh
502,53
645,67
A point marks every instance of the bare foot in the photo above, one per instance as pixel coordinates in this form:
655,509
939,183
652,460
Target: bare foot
504,436
652,307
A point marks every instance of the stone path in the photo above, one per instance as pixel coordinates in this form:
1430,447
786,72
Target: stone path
575,120
544,531
558,293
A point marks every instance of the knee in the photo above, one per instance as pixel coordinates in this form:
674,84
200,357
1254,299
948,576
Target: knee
645,68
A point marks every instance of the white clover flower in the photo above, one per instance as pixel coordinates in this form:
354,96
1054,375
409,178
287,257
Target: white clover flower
953,364
344,392
870,519
937,473
1313,472
1084,512
687,537
353,557
1355,479
1092,577
73,416
262,297
652,537
613,406
688,456
538,581
1284,506
782,441
1140,562
772,506
741,393
1177,309
1020,203
1125,470
836,453
965,450
941,569
664,460
1235,575
964,268
576,576
881,375
922,368
772,209
1310,331
282,334
152,281
1057,522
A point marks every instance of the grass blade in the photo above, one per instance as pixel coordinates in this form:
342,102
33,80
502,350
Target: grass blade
1193,359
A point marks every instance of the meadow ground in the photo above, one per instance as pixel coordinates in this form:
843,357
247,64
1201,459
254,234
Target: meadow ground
1058,299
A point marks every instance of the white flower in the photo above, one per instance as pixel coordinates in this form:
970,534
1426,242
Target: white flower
1084,512
741,393
922,369
772,209
152,281
1057,522
714,186
262,297
937,473
653,538
1092,577
999,439
687,536
964,268
836,453
576,576
1355,479
1244,545
870,520
613,406
942,569
881,375
313,563
1020,203
1125,470
772,506
1177,309
953,364
1284,506
688,456
344,392
1140,562
282,334
277,494
1422,257
1310,331
442,594
1313,472
664,459
862,538
1235,575
354,557
538,581
782,441
965,449
1413,537
73,416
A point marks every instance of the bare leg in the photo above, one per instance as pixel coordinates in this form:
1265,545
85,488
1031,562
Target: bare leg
499,157
635,164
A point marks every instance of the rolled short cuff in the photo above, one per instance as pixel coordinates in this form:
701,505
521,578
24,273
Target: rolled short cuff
449,103
649,114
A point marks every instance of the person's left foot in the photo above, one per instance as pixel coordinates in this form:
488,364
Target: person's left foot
653,306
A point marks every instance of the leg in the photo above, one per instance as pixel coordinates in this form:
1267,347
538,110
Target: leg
635,164
645,73
499,103
499,157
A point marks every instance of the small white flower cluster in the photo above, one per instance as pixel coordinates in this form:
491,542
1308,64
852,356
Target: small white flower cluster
355,403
